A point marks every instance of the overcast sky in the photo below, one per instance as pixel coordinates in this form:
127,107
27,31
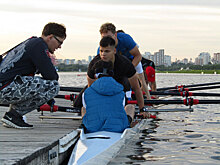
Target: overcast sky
184,28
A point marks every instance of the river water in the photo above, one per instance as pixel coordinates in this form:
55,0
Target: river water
175,137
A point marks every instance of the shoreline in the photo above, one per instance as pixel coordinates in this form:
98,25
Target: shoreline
192,71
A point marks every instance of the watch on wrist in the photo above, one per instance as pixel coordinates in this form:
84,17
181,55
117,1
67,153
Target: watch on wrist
143,109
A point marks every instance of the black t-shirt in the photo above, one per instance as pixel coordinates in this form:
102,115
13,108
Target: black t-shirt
145,63
123,69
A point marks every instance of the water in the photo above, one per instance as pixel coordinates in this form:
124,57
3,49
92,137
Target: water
176,137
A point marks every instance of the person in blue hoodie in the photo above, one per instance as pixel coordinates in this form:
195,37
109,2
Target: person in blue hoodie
104,102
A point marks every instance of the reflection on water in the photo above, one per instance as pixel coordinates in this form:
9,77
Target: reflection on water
176,137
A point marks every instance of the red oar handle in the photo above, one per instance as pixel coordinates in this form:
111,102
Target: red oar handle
71,97
180,86
60,108
183,89
132,101
134,93
140,116
153,116
46,107
190,101
186,93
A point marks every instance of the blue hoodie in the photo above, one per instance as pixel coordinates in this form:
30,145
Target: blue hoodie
104,106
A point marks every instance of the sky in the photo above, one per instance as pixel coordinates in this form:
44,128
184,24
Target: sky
183,28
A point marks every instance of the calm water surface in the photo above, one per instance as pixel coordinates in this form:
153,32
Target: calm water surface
176,137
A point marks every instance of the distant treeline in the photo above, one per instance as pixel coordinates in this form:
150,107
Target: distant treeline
180,66
192,71
174,68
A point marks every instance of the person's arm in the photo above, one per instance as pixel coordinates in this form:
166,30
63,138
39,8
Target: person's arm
38,55
137,55
137,90
144,85
138,94
90,81
83,109
131,45
153,86
91,71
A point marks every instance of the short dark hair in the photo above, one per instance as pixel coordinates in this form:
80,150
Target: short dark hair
56,29
120,31
107,27
103,69
107,41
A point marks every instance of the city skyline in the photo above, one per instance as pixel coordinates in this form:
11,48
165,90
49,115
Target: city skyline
183,29
148,54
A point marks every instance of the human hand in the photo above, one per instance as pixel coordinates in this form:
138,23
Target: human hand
51,102
145,114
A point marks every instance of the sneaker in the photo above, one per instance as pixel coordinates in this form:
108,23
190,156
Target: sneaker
8,126
15,120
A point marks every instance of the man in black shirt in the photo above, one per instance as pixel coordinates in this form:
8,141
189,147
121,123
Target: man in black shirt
19,86
123,69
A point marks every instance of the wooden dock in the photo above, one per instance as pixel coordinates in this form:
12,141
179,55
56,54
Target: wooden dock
49,142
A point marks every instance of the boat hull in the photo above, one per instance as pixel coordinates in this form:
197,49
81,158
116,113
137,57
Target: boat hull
90,150
99,146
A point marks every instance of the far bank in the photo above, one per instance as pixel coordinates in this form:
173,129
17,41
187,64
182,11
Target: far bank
192,71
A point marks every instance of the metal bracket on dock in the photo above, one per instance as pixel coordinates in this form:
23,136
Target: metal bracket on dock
53,156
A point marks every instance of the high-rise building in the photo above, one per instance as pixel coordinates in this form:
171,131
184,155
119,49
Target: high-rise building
185,61
167,60
90,58
199,61
206,58
59,61
158,58
67,62
216,58
72,61
147,55
161,57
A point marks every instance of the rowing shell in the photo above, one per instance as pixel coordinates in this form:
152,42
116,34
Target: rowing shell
101,147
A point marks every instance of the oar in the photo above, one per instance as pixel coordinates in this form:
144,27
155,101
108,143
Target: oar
78,89
69,109
71,89
4,105
188,101
71,97
55,108
168,110
59,108
198,88
187,86
184,93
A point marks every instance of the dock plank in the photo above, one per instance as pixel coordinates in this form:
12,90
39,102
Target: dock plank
17,145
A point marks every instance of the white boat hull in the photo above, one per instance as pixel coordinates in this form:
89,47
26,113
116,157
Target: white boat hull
101,147
93,145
